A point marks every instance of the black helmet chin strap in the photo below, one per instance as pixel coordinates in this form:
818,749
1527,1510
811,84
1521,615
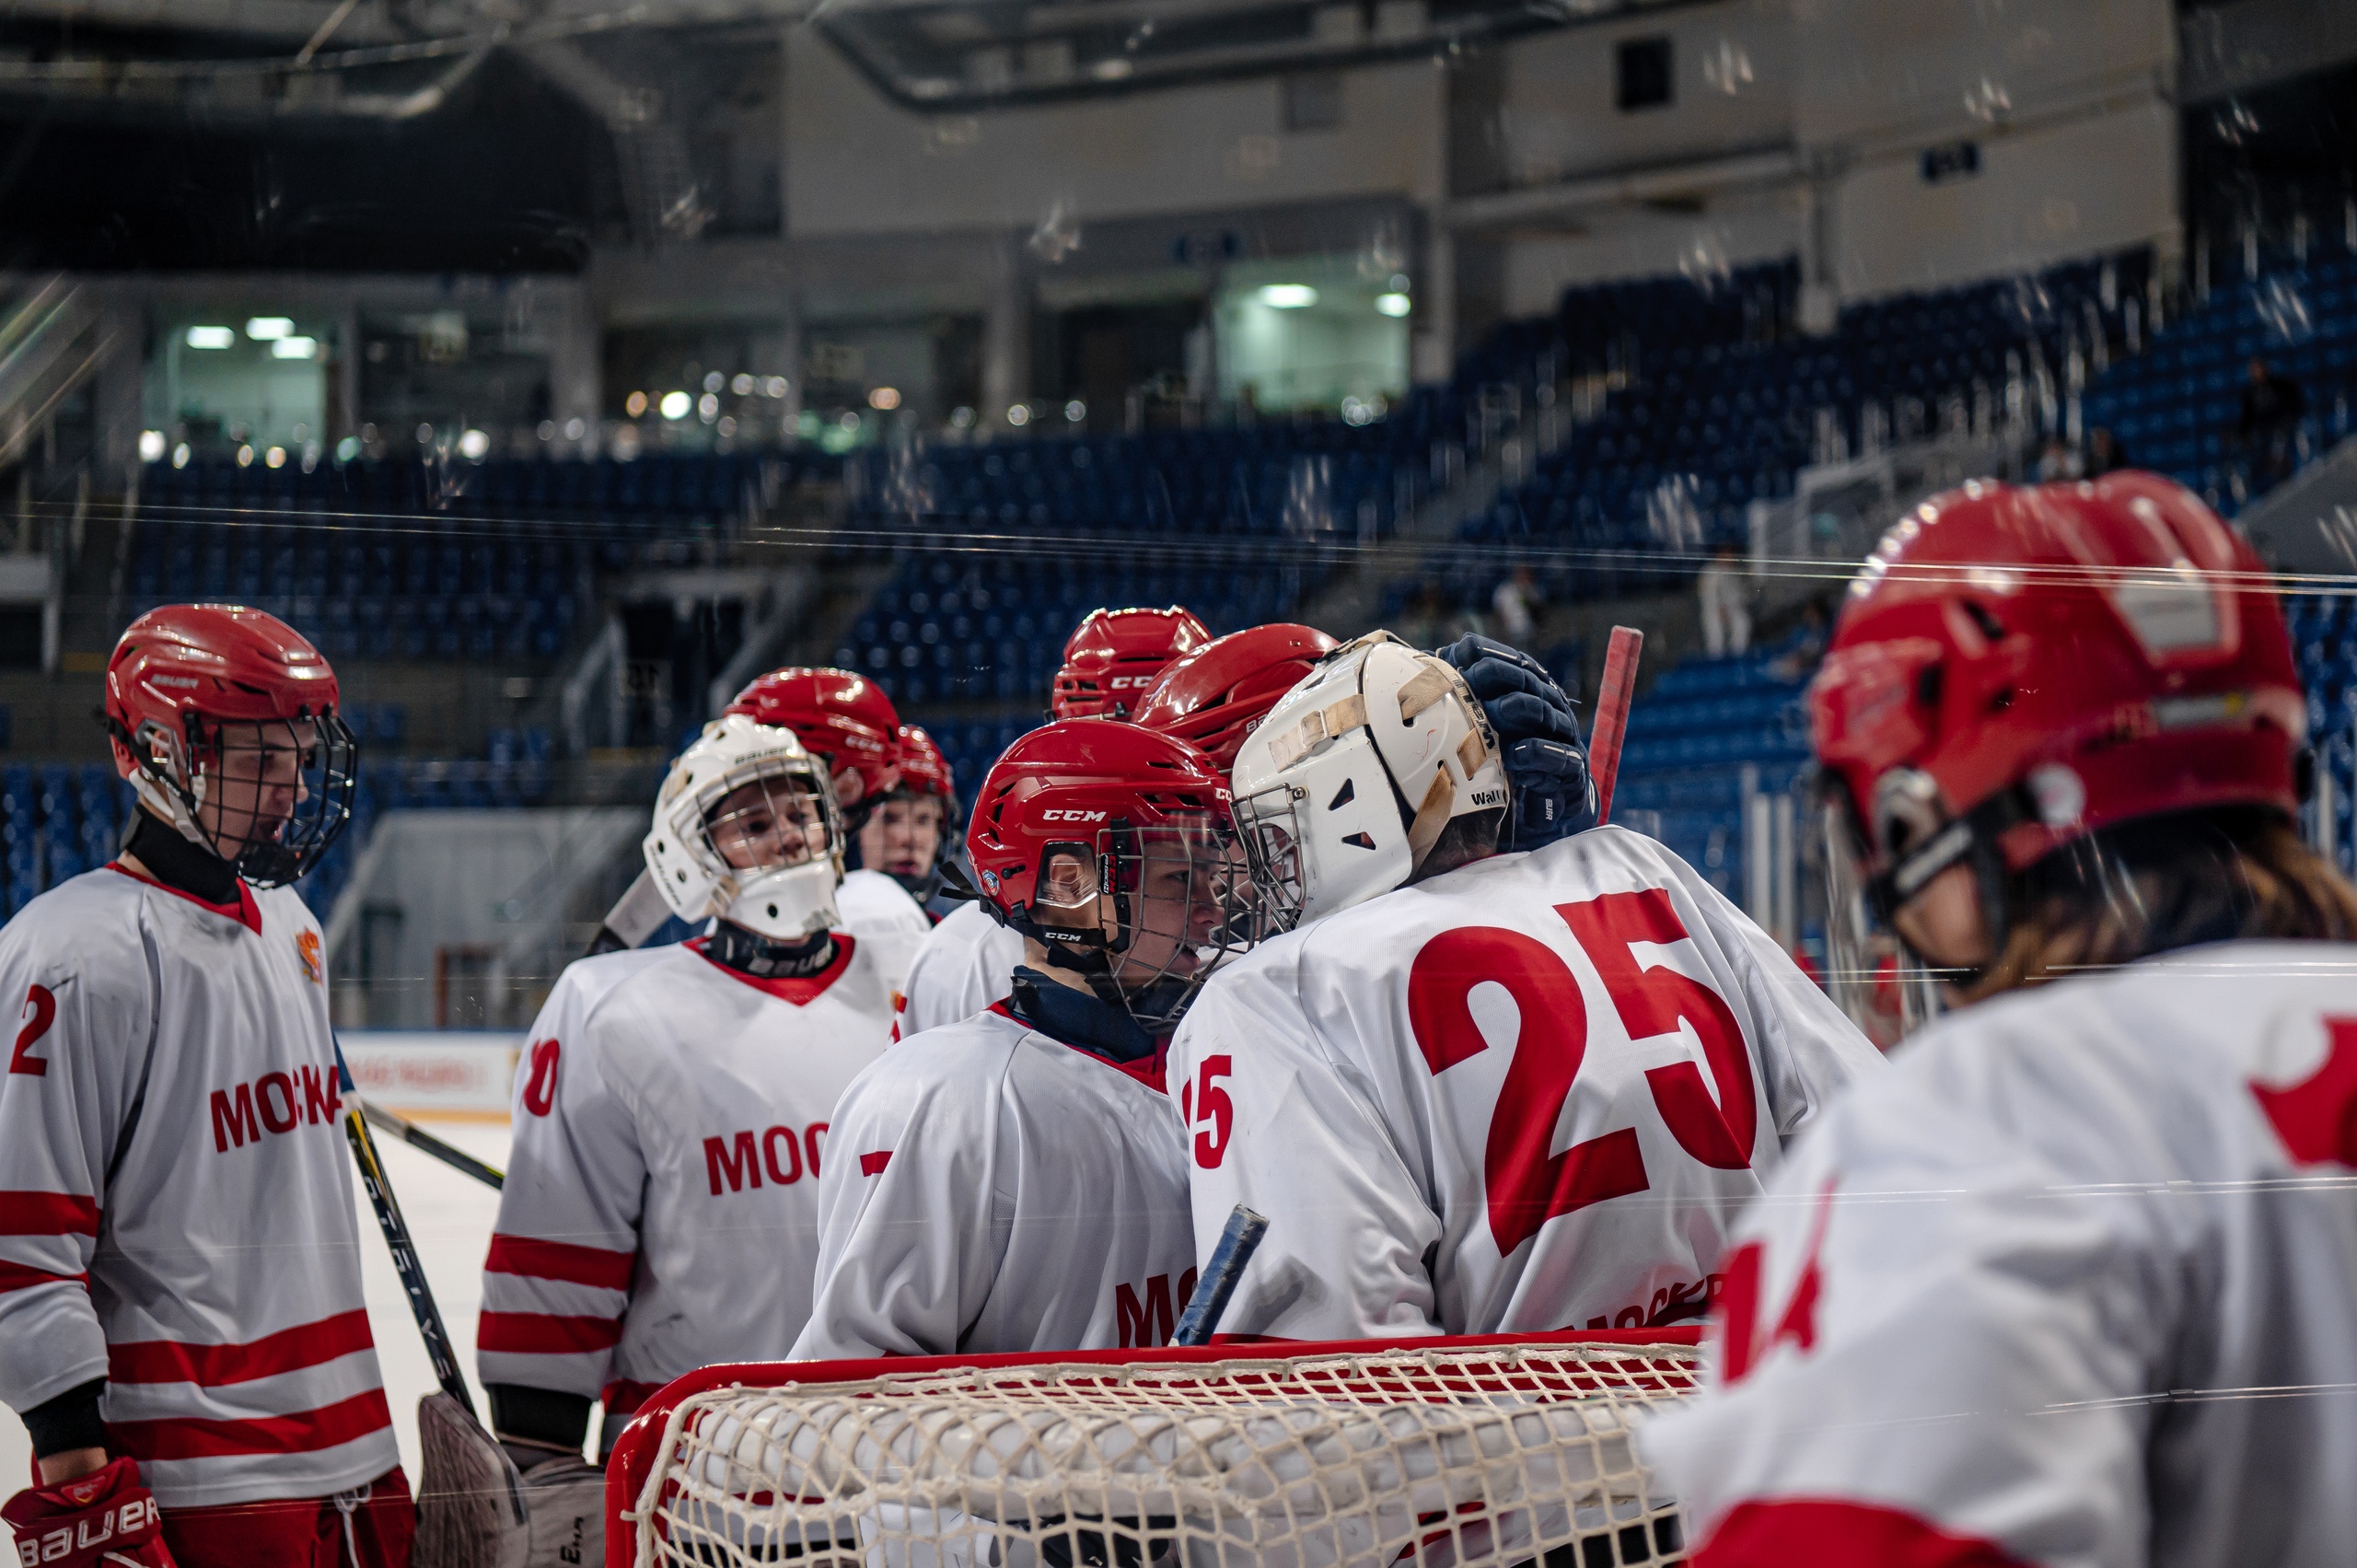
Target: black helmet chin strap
1975,837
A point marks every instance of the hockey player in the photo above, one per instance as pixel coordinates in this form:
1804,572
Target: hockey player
1113,655
1017,1181
1477,1092
907,836
661,1203
847,722
2072,1283
180,1302
1112,658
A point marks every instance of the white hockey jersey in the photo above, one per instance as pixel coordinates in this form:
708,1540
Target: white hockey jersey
2072,1284
176,1209
964,966
996,1190
1530,1094
661,1208
889,922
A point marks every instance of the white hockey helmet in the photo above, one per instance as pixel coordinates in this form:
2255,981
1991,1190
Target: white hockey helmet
1345,787
746,828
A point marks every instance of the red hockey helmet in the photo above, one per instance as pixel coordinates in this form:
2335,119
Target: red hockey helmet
1215,696
845,718
923,769
1114,654
2018,667
1114,848
224,721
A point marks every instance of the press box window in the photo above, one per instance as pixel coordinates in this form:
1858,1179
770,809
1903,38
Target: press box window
1641,74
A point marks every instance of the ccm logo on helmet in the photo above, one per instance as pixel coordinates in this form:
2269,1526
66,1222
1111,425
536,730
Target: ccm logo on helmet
1129,683
1060,816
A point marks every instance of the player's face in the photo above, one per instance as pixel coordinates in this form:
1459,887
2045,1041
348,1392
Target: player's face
1176,910
902,836
768,823
1943,922
254,783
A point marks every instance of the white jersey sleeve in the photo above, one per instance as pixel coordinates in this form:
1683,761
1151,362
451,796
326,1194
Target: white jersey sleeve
994,1189
83,1029
2070,1286
889,924
962,967
1531,1094
557,1279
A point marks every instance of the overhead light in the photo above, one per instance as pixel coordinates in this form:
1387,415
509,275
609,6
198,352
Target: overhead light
152,445
212,337
1392,304
675,405
741,384
884,398
474,446
635,404
1288,295
275,457
269,329
294,348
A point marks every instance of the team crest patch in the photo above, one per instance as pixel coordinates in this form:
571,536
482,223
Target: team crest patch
306,947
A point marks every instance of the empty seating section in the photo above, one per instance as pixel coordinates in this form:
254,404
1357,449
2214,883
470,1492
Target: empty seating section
1713,418
2324,633
58,822
660,493
975,630
2175,407
1266,480
375,593
1689,739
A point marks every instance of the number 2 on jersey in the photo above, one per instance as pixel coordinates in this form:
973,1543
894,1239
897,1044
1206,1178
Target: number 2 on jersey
40,1011
1528,1185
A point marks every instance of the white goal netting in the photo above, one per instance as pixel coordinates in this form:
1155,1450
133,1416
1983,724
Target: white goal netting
1442,1458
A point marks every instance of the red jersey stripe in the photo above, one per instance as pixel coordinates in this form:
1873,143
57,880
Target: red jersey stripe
1838,1534
542,1333
564,1260
47,1214
289,1350
197,1438
16,1276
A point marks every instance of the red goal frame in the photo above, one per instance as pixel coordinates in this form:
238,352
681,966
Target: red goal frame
634,1455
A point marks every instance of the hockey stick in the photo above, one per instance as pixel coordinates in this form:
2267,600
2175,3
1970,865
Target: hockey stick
1221,1276
1612,698
636,916
425,1143
399,1242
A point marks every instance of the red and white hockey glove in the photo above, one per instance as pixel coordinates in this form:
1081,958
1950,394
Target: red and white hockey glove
108,1518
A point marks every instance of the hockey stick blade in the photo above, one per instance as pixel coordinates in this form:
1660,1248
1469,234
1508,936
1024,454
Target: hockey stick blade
399,1242
636,916
425,1143
1612,698
1221,1276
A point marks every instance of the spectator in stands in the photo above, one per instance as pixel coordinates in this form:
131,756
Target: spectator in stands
1431,621
1726,615
2105,454
2056,461
1510,617
2272,405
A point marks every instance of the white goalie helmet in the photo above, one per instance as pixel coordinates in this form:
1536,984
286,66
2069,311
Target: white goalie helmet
1343,789
746,828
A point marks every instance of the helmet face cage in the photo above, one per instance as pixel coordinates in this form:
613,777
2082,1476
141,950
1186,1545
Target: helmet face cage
771,815
1268,824
1886,989
267,795
1149,913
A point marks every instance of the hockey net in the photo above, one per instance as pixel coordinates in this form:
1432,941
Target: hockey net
1450,1453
